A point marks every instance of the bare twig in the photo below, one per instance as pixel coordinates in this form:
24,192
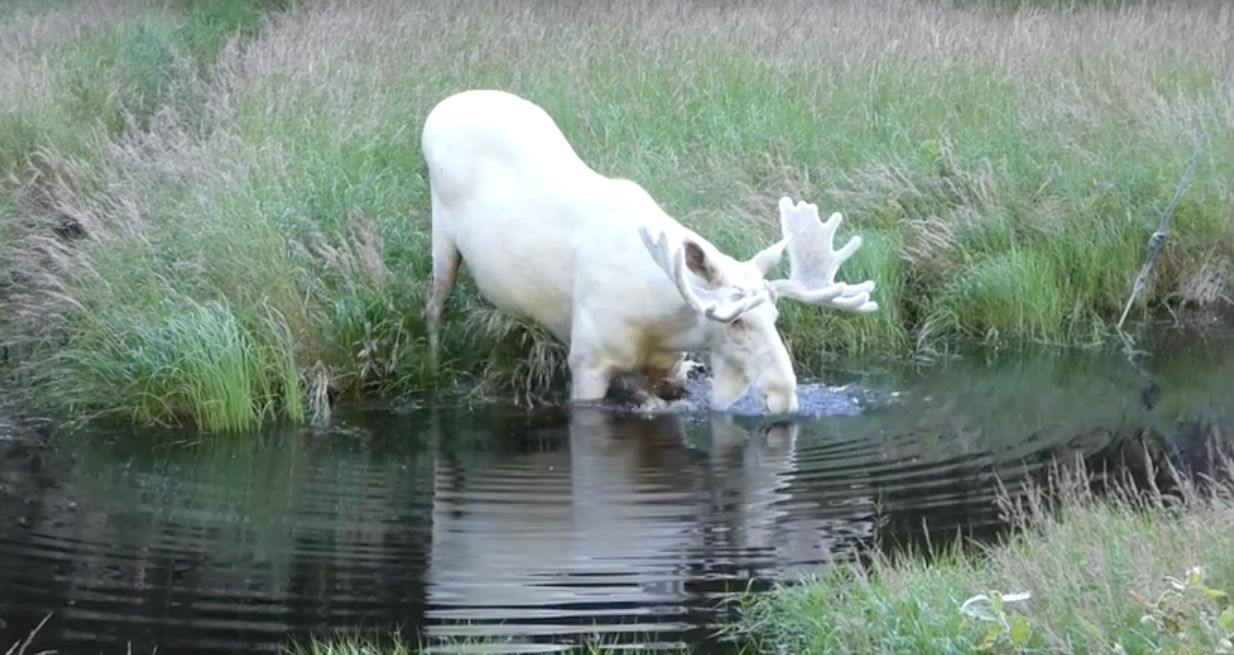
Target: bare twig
1158,237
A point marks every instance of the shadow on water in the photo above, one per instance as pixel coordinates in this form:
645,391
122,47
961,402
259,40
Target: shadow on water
548,527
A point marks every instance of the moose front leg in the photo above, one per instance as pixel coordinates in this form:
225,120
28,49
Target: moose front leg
589,377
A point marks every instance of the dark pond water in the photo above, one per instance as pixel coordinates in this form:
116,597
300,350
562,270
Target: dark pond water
541,527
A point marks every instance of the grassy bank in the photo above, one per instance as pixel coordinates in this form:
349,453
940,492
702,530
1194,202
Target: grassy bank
1132,573
218,211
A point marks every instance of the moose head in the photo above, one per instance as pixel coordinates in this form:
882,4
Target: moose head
737,304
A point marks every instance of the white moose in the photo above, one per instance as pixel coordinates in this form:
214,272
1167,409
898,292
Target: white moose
598,263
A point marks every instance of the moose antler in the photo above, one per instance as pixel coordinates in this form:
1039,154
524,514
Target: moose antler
813,261
720,304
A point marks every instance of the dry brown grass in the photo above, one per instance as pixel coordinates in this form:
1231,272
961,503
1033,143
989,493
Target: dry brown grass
528,376
333,43
30,34
1088,67
35,26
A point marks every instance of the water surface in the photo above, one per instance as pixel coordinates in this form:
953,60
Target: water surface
537,528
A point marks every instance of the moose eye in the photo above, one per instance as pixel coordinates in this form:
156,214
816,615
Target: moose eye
738,324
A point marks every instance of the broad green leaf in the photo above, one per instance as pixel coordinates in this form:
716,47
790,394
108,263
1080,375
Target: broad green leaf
1226,620
1216,594
991,636
1019,630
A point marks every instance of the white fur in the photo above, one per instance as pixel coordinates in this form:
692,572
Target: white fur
549,239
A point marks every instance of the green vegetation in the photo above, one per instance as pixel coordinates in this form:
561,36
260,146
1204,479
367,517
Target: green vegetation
1135,573
395,644
217,211
352,645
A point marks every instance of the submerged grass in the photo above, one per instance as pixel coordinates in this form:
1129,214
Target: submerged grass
1129,573
188,181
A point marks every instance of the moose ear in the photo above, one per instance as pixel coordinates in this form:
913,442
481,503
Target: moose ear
699,264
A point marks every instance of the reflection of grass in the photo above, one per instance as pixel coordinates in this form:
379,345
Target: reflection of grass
1096,571
255,493
268,189
990,399
394,643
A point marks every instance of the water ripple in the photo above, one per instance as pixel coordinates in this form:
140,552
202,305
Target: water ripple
532,531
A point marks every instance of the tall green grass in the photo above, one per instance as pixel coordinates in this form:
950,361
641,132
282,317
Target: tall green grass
1133,573
179,355
261,159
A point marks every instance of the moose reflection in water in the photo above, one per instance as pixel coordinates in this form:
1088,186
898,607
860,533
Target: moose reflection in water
541,525
624,514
